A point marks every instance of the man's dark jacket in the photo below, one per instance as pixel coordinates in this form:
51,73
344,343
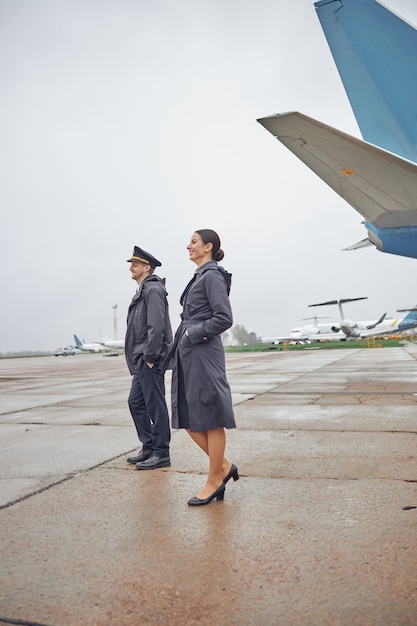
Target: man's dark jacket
148,333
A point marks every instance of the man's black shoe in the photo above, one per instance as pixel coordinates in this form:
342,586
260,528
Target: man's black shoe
153,462
141,456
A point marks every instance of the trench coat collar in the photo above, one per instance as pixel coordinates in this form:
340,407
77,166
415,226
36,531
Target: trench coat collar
140,287
200,270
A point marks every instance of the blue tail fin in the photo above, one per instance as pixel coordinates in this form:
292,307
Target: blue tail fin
410,320
77,342
376,55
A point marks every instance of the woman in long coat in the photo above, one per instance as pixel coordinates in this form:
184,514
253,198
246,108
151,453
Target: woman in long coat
201,398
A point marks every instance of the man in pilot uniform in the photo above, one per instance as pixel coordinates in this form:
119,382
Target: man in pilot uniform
147,345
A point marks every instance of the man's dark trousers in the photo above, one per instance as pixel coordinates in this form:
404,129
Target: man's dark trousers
149,410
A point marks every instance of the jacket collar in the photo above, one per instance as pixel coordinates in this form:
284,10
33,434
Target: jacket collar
200,270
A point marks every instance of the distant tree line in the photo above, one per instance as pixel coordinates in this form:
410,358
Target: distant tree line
23,353
242,337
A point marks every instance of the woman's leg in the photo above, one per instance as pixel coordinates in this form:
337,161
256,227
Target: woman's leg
201,439
213,442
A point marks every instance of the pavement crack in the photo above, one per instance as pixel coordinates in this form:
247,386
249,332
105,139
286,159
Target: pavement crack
70,476
5,620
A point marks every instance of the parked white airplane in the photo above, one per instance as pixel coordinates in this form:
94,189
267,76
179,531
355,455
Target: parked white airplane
317,332
111,343
89,347
368,328
350,329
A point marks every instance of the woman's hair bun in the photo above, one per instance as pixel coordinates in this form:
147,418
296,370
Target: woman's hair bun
210,236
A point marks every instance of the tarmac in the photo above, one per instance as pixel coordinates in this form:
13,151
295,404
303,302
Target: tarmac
321,528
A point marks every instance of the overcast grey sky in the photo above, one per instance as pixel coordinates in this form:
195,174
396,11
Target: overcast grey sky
134,122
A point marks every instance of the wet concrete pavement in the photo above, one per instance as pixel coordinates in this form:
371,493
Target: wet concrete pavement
320,530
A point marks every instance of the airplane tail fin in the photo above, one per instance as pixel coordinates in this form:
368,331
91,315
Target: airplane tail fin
410,320
375,52
103,336
78,343
381,319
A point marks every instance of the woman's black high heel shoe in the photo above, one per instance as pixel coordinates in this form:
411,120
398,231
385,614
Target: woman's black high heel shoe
218,495
233,473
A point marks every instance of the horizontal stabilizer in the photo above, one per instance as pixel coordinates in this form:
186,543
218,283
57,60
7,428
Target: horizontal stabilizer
379,185
342,301
317,317
364,243
407,310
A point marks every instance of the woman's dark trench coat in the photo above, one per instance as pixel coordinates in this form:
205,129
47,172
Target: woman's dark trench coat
201,397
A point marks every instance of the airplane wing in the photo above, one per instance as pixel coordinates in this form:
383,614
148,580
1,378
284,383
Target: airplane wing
379,185
375,52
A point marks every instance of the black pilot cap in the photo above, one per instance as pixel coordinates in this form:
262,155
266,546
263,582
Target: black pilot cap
144,257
